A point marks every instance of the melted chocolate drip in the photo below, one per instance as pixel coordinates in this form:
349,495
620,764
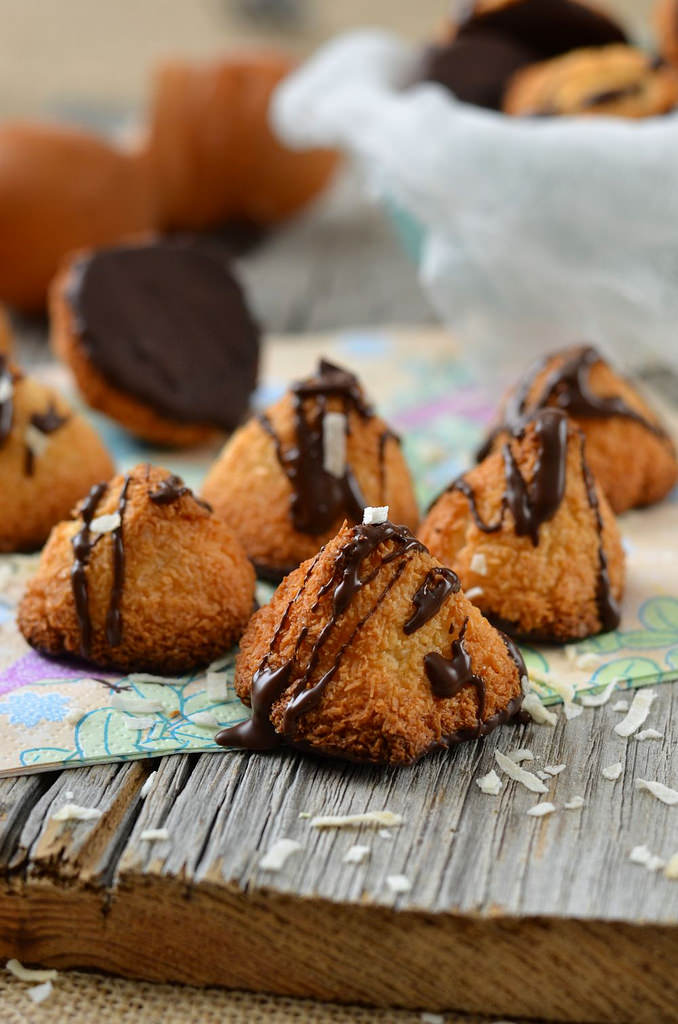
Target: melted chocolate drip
448,676
534,503
82,544
608,609
114,616
6,404
319,499
429,598
344,583
167,322
47,423
566,387
171,489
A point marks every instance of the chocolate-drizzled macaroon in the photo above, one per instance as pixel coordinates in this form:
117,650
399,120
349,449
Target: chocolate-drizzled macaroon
628,449
143,578
532,537
49,458
370,651
287,480
159,337
496,38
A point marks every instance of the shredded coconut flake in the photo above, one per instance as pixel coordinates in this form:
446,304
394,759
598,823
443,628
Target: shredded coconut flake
637,713
38,993
74,716
542,775
612,771
105,524
334,443
135,705
6,387
554,769
356,854
596,700
514,771
539,810
29,973
671,869
479,564
474,592
432,1018
649,734
35,440
572,710
620,705
305,814
571,652
563,687
641,855
148,785
217,687
536,710
150,835
355,820
74,812
587,660
276,855
204,719
574,804
69,794
521,754
659,790
373,515
490,784
384,833
398,883
136,722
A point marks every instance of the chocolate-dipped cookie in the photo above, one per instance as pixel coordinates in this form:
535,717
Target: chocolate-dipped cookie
159,337
611,81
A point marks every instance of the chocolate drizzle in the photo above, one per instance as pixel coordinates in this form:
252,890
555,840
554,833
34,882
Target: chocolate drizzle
566,387
47,423
608,608
83,544
114,617
320,499
171,489
430,596
448,676
534,503
6,399
345,582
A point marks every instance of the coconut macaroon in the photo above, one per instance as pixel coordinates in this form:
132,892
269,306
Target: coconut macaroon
532,537
627,448
371,652
5,333
49,458
287,479
143,578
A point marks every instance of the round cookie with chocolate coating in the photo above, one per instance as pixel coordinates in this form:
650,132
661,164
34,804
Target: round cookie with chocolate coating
613,81
49,458
370,652
287,480
159,337
144,577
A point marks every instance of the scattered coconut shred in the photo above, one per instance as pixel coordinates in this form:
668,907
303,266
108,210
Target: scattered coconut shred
659,790
612,771
536,710
574,804
514,771
521,754
276,856
74,812
596,700
554,769
30,973
490,784
540,810
398,883
649,734
641,855
148,785
356,855
152,835
637,713
377,818
671,869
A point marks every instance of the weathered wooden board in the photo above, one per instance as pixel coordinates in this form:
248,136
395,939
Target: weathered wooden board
507,914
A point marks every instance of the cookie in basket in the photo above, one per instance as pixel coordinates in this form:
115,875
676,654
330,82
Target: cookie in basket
159,337
49,458
144,577
370,651
627,447
287,480
665,17
612,81
532,537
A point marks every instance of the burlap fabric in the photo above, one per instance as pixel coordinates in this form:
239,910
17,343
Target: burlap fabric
79,998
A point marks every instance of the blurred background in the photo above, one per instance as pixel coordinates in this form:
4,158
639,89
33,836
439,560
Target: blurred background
65,57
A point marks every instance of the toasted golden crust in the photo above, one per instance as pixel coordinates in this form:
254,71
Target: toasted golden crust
546,591
615,81
665,18
379,705
137,417
634,466
249,488
188,586
74,459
